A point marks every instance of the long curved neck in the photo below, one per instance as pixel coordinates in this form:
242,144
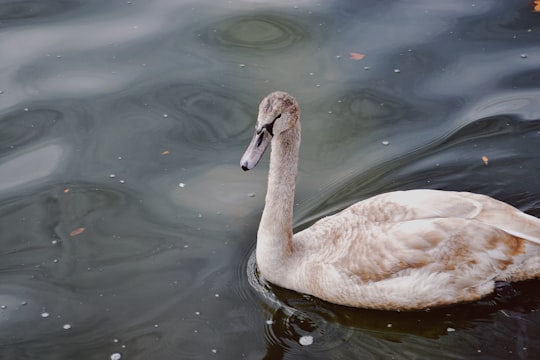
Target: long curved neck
274,238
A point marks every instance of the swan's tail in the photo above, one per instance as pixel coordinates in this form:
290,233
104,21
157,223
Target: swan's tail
509,219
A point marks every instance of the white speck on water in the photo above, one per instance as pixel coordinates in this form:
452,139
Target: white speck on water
242,65
197,313
112,176
186,246
45,314
385,142
23,303
54,242
214,351
450,329
389,325
523,56
115,340
311,74
366,67
26,109
1,92
156,325
182,185
55,261
251,194
397,71
116,356
165,115
269,322
66,326
122,181
119,158
216,295
306,340
3,307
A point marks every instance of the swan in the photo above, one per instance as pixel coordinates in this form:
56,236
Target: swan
402,250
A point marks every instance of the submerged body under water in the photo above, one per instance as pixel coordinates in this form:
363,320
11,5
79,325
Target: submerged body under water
127,227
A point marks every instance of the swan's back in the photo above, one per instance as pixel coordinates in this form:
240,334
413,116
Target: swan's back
415,249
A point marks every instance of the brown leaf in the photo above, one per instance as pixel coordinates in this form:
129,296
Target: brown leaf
536,5
66,190
485,159
357,56
77,231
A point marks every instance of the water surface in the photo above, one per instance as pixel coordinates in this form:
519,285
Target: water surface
128,228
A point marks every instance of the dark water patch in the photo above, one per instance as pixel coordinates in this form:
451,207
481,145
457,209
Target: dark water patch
31,11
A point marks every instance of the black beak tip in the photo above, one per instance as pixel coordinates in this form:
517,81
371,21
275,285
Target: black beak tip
245,167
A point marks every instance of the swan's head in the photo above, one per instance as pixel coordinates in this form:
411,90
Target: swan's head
278,112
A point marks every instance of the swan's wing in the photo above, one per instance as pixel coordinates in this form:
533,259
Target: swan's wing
412,264
427,204
445,246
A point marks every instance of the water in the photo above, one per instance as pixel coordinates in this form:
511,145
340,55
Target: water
127,227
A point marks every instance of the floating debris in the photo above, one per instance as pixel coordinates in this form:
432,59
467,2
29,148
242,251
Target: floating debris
66,326
116,356
77,231
112,176
523,56
385,142
397,71
182,185
450,329
45,314
251,194
306,340
165,115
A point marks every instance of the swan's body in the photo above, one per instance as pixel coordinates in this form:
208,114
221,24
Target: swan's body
400,250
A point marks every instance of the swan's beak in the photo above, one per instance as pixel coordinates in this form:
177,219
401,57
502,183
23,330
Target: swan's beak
256,149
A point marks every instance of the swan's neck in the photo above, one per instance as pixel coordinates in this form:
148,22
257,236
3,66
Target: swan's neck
274,239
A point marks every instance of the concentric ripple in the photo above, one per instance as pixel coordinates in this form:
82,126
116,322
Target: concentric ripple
256,32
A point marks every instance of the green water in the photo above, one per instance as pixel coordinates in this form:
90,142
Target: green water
127,226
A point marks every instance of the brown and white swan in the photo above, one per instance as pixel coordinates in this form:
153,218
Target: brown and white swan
401,250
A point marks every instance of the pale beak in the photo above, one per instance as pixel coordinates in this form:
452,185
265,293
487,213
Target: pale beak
256,149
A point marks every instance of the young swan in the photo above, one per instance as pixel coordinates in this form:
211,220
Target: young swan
402,250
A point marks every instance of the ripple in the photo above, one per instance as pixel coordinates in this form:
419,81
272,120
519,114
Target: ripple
203,115
263,33
297,318
18,10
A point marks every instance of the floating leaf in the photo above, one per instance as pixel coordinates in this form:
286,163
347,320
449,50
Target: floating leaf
77,231
536,5
165,152
66,190
485,159
357,56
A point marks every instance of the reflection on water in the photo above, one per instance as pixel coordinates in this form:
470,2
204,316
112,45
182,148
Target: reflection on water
128,228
